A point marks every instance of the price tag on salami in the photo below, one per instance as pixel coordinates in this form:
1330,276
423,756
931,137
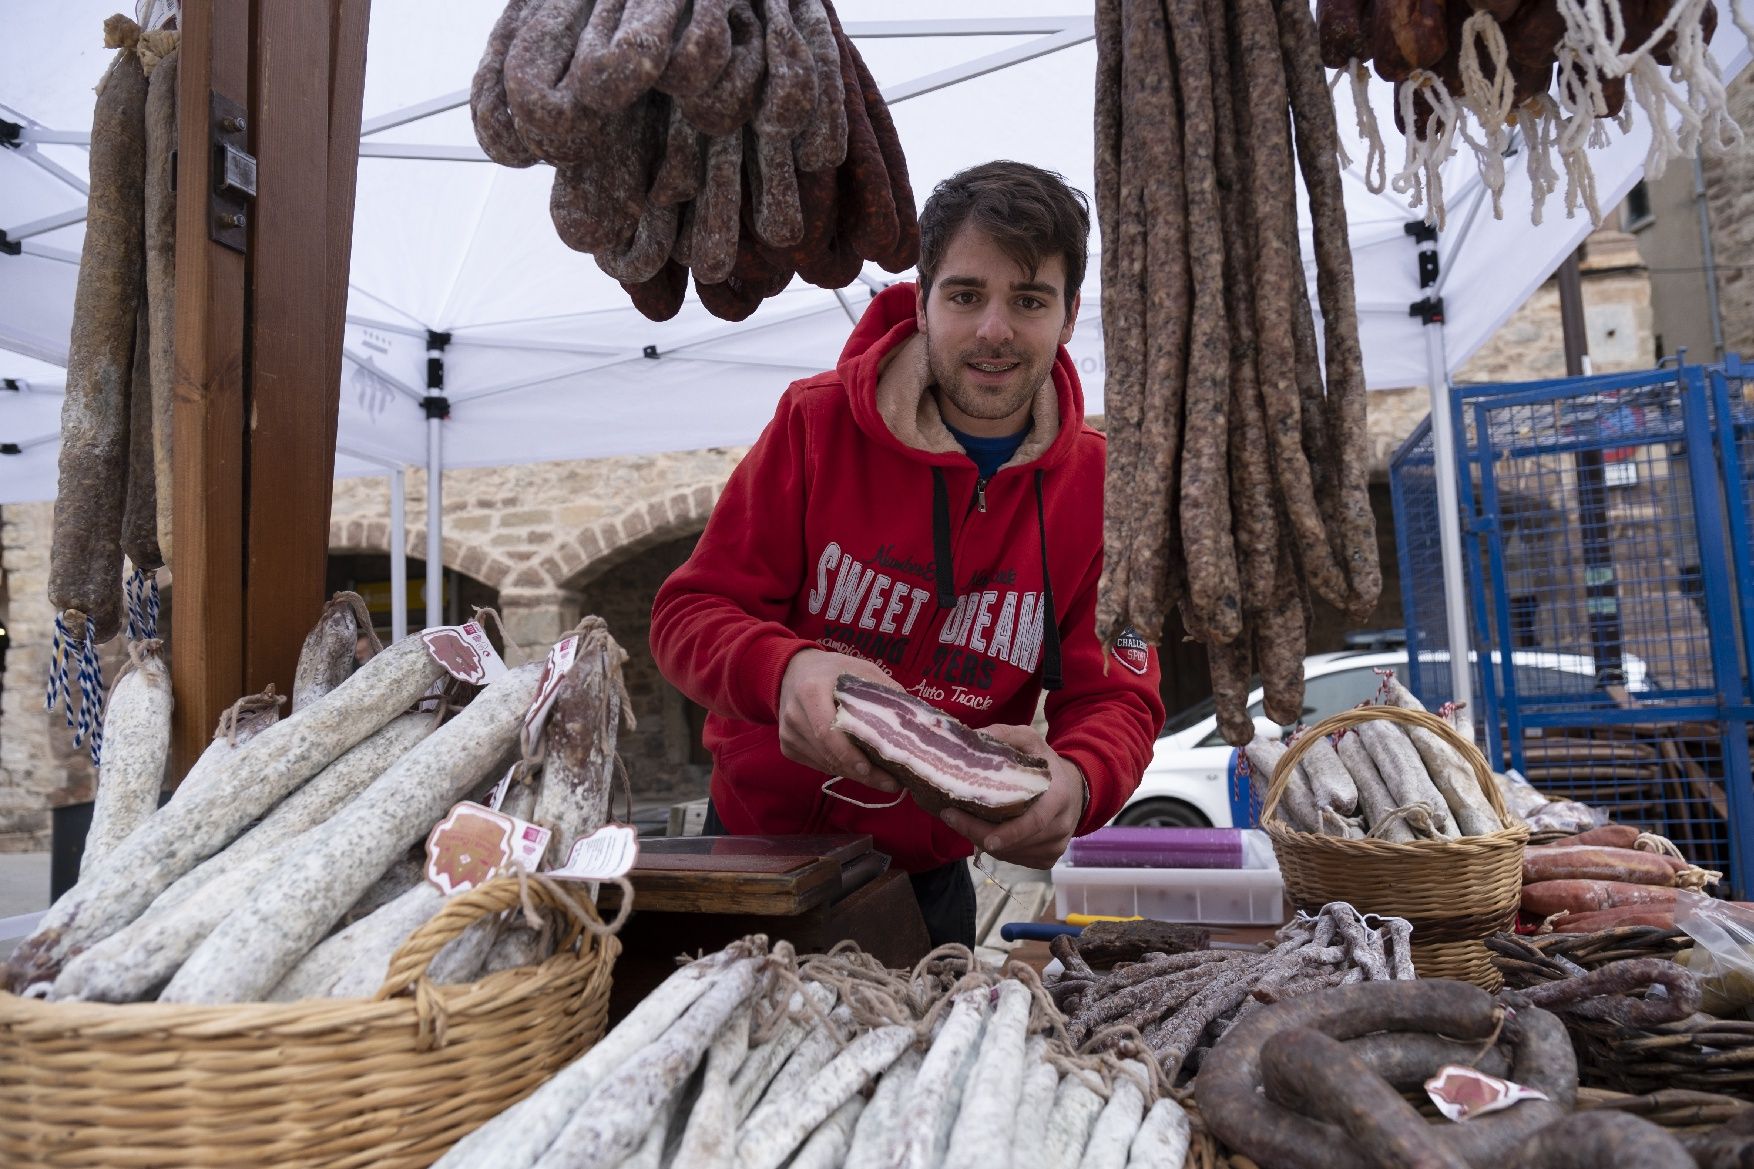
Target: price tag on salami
554,672
607,853
496,798
468,846
1461,1092
529,843
465,653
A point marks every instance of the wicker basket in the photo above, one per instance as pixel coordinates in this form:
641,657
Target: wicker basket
389,1082
1456,893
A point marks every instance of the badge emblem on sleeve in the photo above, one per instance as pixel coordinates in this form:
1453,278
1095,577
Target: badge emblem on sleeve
1131,651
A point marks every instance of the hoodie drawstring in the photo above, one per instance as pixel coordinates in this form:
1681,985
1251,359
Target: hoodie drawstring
1050,625
946,572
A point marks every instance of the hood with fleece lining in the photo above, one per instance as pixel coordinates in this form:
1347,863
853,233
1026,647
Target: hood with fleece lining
883,367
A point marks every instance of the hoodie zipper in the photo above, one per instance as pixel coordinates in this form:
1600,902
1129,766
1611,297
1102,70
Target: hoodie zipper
980,495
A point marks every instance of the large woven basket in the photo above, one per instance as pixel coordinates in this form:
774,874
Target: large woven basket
389,1082
1457,893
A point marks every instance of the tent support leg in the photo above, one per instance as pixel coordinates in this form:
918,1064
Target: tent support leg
398,555
438,408
1449,516
1443,441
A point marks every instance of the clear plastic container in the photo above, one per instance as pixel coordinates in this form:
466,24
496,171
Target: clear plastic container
1253,895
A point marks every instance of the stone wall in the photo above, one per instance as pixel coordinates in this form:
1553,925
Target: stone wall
39,767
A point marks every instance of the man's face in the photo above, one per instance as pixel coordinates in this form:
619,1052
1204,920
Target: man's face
991,330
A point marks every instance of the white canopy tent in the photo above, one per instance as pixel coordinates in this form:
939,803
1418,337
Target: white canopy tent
546,360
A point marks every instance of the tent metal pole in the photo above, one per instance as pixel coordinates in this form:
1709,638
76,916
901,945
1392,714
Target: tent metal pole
1449,516
1443,442
398,555
438,408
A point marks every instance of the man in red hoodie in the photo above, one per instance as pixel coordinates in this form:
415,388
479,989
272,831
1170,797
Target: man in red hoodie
928,514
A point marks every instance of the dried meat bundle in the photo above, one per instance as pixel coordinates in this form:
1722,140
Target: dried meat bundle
734,141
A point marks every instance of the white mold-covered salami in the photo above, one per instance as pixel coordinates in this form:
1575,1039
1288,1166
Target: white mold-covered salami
618,1113
255,947
991,1105
242,721
578,771
133,963
1112,1136
137,738
329,655
878,1135
182,835
352,963
710,1137
776,1129
1163,1137
518,1137
326,793
936,1094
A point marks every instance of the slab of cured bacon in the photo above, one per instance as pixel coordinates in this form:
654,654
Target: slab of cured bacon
941,762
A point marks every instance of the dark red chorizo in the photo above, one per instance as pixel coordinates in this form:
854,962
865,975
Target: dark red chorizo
1343,31
1416,27
661,297
904,252
1534,33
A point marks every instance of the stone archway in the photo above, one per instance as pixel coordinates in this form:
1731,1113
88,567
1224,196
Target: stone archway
490,567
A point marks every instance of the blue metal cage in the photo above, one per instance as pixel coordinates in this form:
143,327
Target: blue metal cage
1610,581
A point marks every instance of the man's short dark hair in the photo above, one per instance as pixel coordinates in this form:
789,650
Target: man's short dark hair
1029,212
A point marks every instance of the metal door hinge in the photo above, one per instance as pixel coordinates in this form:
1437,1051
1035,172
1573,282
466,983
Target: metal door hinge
234,174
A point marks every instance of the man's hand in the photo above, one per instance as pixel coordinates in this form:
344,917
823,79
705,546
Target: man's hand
807,733
1037,838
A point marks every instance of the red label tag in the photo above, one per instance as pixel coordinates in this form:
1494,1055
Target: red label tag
1461,1092
467,847
465,653
554,671
1132,651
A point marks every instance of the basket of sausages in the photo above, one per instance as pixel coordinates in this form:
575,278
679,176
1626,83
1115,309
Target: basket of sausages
1392,808
389,1081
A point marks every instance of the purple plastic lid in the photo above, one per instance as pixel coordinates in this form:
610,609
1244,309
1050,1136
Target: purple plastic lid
1158,848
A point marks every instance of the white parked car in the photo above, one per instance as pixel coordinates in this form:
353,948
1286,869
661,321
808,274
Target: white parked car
1187,782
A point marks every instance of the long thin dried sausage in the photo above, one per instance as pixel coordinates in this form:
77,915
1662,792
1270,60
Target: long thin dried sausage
1277,264
1347,433
1214,588
823,144
495,129
725,106
623,49
868,214
1255,513
140,508
544,113
788,87
702,48
1125,494
717,212
661,297
904,253
777,216
161,275
679,174
85,558
1153,238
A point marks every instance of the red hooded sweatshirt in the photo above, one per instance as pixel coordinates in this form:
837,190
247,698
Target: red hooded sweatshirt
858,524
